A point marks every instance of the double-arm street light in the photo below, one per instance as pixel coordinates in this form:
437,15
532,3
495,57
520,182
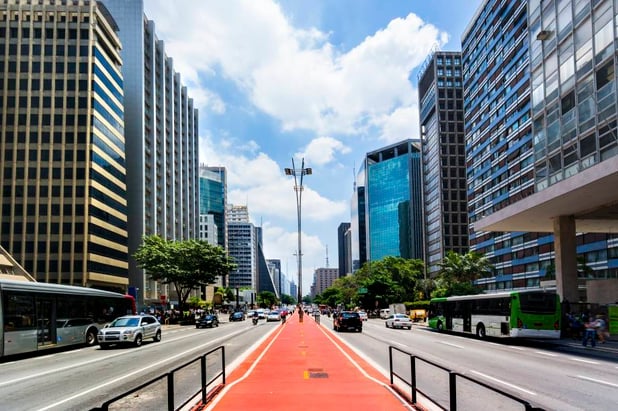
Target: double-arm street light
298,174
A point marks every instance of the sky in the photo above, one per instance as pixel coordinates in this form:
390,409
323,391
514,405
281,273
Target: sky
323,80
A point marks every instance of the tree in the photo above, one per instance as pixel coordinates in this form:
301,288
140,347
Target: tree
186,265
458,272
266,299
287,299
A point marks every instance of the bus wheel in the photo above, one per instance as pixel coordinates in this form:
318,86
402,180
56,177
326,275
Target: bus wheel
440,326
480,331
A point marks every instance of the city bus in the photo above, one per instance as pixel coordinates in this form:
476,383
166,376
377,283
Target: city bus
37,316
514,314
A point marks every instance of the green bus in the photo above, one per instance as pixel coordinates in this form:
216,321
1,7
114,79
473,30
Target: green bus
514,314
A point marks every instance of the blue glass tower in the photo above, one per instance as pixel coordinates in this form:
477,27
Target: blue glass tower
394,201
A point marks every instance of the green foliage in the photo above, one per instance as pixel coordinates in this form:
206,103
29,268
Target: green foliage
186,265
288,299
267,299
457,273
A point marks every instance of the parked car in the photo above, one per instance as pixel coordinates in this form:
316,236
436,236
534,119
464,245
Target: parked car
237,316
273,316
130,329
347,320
363,315
398,321
207,321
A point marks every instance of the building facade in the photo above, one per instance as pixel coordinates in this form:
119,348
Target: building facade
540,124
394,201
243,248
344,248
63,187
358,221
213,201
322,279
162,122
444,158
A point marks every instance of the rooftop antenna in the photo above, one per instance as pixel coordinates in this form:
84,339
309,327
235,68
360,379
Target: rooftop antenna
326,255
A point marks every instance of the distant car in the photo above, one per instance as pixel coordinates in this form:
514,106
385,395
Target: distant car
273,316
347,320
207,321
237,316
398,321
363,315
384,313
130,329
261,314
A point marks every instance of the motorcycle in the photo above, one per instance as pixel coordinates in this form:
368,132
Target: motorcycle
255,320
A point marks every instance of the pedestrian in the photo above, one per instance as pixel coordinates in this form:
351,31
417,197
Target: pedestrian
601,329
590,333
300,314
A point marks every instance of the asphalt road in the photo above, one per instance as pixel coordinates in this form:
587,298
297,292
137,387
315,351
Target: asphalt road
83,378
554,375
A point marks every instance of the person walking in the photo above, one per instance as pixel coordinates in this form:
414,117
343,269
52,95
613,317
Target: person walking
590,333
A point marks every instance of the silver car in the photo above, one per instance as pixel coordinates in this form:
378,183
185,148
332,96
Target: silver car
398,321
130,329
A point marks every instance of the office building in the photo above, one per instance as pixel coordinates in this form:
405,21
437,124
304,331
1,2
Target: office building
162,122
358,221
237,213
322,279
63,187
541,126
344,243
444,158
394,201
243,248
213,202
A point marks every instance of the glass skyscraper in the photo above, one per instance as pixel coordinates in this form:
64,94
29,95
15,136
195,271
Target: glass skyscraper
394,201
63,188
213,197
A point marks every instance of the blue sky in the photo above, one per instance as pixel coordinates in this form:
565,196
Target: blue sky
323,80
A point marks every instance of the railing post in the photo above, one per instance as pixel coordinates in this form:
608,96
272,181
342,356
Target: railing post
203,375
413,377
223,362
170,391
390,363
452,389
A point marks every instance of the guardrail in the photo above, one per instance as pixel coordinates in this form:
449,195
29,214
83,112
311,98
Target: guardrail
452,382
169,377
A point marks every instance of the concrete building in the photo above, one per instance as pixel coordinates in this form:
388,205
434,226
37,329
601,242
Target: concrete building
344,243
541,142
63,183
242,247
358,221
162,122
322,279
237,213
444,158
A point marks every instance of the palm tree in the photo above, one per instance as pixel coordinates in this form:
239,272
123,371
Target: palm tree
465,267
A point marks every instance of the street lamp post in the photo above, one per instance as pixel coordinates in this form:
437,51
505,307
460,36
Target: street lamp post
298,174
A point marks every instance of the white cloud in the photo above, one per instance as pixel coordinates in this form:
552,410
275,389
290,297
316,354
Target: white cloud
296,76
322,150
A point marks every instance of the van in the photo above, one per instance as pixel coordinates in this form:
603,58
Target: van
384,313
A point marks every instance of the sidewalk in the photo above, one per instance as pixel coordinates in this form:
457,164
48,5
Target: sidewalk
300,366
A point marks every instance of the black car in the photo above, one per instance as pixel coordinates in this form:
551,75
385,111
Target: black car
207,321
237,316
347,320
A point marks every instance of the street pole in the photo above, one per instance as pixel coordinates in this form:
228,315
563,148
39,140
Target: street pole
298,189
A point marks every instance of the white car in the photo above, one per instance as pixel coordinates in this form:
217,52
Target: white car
273,315
130,329
363,315
398,321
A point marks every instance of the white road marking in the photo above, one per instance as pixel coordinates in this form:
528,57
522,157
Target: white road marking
504,383
517,348
611,384
546,353
452,345
586,361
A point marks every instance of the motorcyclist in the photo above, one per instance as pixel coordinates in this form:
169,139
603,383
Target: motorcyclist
255,317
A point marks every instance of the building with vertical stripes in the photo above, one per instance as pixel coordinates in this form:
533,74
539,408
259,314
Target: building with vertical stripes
63,191
161,123
444,158
213,203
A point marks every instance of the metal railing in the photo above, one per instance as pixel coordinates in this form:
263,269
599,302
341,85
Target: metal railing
411,382
169,377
